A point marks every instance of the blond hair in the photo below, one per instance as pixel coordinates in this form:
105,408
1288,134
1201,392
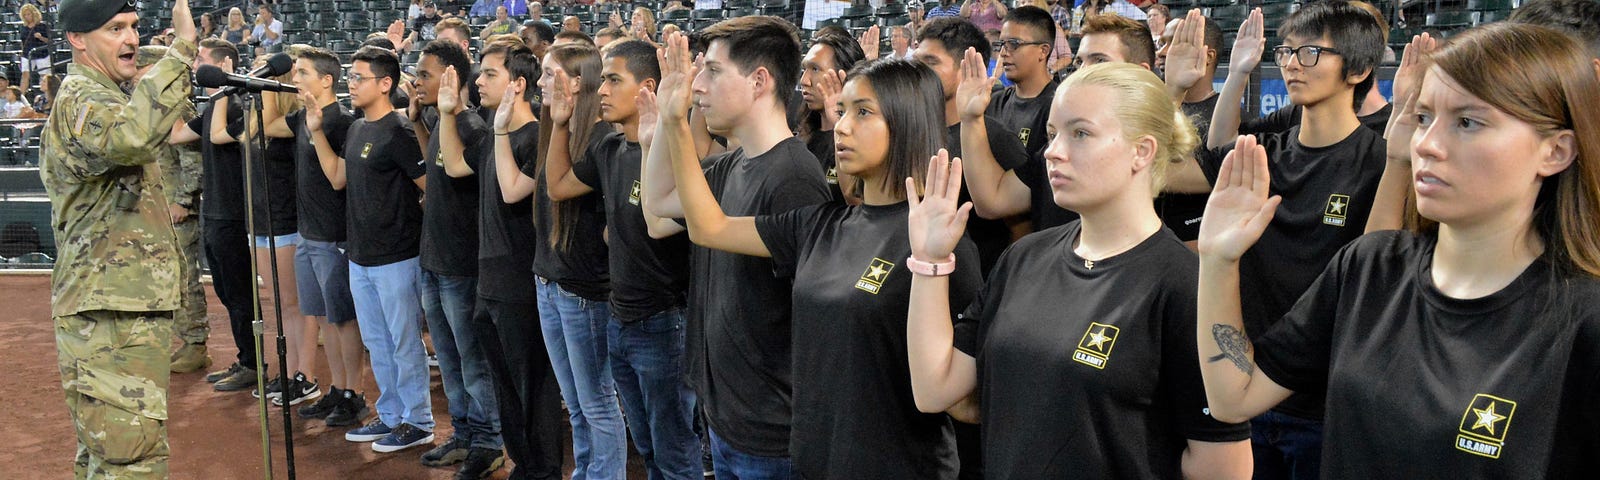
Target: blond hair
29,10
1144,109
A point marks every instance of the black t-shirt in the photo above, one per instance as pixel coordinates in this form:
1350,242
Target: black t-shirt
1327,195
821,146
34,48
450,210
505,231
222,182
991,236
1089,366
854,414
423,25
581,266
738,341
648,276
1043,211
322,216
1026,117
274,196
381,161
1283,119
1421,385
1181,212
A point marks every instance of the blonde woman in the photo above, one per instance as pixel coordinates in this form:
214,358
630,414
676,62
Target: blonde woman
237,32
643,24
35,44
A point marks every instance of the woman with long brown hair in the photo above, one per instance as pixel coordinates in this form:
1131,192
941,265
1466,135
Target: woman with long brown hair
1467,345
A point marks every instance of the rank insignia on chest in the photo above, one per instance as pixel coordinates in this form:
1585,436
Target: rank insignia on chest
633,194
365,150
877,272
1336,211
1094,349
1483,426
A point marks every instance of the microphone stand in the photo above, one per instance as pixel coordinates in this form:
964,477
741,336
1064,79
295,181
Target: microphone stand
259,140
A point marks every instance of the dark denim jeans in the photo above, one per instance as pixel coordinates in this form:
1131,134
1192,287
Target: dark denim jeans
732,464
1286,447
448,302
647,363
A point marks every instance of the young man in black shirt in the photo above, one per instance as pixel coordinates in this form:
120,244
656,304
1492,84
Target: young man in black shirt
454,153
820,81
531,420
321,268
381,169
227,249
648,266
738,345
1192,58
1026,39
1327,171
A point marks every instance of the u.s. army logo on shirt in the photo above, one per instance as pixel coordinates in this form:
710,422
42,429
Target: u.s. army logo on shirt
1484,425
438,159
366,150
633,194
1338,207
1023,135
876,274
833,175
1095,348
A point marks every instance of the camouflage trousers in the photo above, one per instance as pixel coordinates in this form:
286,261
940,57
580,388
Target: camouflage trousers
114,373
189,322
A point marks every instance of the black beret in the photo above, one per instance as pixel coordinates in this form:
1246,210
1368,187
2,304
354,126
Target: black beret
88,15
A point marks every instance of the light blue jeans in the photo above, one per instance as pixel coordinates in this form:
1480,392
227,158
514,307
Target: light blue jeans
575,336
387,307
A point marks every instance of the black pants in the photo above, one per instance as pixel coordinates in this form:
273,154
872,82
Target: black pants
227,248
531,420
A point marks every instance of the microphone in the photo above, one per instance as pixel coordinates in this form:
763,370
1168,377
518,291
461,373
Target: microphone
276,65
209,76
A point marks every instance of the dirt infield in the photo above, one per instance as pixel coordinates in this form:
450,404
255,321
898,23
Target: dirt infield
213,435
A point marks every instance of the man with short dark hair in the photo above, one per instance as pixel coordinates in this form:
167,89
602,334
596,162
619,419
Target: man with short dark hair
537,35
116,280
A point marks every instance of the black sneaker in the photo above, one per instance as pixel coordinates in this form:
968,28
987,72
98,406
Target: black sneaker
274,388
405,436
244,377
324,405
349,411
300,390
481,463
218,375
453,451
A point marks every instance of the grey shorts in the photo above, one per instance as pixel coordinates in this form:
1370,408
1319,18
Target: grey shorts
322,276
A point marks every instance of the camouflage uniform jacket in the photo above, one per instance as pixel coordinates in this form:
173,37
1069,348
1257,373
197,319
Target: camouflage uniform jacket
115,244
180,173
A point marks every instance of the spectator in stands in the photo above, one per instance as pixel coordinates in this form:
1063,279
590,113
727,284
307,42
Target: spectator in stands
985,14
48,84
414,10
643,24
502,25
900,41
678,5
536,35
483,8
946,8
35,44
422,28
523,8
268,31
1156,17
11,104
571,24
208,28
236,32
1124,8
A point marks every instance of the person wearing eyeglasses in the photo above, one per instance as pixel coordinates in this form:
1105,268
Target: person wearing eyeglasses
1024,50
1326,170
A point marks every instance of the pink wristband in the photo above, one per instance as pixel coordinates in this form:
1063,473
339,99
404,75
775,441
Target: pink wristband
928,269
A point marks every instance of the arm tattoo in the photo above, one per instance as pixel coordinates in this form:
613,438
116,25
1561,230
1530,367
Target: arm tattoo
1234,346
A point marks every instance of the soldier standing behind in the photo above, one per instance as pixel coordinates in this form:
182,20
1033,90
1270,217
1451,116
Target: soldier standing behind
116,282
179,169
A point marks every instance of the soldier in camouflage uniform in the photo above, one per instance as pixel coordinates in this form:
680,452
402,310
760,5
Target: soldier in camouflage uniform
178,167
116,281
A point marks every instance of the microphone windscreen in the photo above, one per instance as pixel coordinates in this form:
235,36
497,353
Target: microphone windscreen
279,64
209,76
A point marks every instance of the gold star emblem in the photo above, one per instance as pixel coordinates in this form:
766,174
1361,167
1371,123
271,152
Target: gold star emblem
1098,339
1337,206
876,273
1487,418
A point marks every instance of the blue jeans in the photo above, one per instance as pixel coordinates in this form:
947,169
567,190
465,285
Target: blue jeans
647,363
448,302
387,308
575,337
1286,447
732,464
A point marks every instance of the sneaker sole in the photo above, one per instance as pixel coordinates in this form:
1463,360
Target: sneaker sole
222,387
381,448
353,437
298,400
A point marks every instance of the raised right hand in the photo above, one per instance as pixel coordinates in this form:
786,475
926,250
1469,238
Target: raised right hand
935,222
313,114
1186,56
502,114
674,94
1241,203
558,99
183,21
1249,44
646,103
972,96
1407,88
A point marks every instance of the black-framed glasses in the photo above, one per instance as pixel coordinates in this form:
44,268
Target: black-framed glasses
1307,54
1012,44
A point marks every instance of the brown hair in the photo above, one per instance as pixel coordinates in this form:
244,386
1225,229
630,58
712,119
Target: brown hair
1543,77
580,62
454,23
1137,45
761,41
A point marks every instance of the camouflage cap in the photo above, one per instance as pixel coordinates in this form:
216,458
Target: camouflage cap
149,54
87,15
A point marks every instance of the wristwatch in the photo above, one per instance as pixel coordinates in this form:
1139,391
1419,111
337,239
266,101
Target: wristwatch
928,269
